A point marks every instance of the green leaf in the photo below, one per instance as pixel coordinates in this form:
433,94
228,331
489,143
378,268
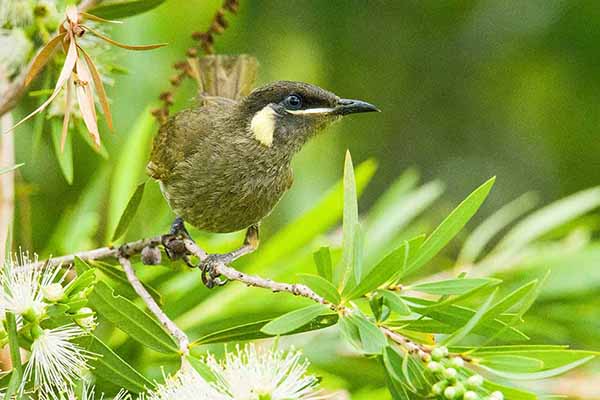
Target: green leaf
372,340
323,262
481,236
510,393
130,210
511,363
322,287
548,218
455,316
130,319
545,374
252,330
450,227
395,303
294,319
357,255
8,169
350,220
109,366
383,271
15,354
202,369
64,157
350,332
129,168
116,9
473,322
454,286
393,363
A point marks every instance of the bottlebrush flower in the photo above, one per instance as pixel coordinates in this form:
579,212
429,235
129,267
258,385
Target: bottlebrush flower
250,374
56,362
22,286
186,384
87,393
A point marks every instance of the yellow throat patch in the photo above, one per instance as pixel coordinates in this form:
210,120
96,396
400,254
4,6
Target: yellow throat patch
263,126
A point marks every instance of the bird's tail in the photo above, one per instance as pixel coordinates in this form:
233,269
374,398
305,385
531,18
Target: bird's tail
228,76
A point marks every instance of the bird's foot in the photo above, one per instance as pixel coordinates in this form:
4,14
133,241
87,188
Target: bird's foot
209,267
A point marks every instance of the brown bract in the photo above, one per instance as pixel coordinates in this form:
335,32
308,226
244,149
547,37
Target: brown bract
78,73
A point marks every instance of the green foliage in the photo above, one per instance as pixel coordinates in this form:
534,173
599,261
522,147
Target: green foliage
116,9
130,210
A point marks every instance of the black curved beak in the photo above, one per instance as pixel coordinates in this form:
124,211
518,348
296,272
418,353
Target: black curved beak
349,106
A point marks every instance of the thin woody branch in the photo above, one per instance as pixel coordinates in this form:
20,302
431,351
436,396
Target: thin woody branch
127,250
152,306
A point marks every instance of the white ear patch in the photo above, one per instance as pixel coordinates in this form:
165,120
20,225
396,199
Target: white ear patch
263,125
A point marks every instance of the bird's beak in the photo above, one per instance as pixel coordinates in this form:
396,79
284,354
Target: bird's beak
349,106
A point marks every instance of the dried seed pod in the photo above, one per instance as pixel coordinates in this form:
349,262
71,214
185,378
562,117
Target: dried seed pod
151,255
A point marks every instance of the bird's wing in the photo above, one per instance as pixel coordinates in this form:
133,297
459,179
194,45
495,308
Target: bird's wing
180,136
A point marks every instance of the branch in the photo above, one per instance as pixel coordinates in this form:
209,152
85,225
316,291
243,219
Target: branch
152,306
127,250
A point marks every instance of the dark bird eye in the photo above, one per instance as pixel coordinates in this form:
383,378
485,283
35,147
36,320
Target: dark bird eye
293,102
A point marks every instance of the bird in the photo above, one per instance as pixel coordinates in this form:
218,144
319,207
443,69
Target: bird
223,165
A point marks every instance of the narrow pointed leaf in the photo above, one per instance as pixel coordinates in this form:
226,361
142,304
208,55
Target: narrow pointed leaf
85,99
42,58
252,330
450,226
112,368
395,303
473,322
541,374
96,18
322,287
322,259
122,45
99,88
65,73
130,319
511,363
350,220
294,319
383,271
372,339
124,8
9,169
454,286
130,211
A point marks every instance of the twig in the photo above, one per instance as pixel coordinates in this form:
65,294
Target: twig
152,306
127,250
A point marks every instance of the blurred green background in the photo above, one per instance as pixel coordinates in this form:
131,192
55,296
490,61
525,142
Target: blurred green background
467,89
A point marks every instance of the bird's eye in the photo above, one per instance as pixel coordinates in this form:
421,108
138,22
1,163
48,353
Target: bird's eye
293,102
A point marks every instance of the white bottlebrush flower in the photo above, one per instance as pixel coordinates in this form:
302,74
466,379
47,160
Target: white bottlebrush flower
22,285
186,384
15,48
250,374
88,392
55,360
15,12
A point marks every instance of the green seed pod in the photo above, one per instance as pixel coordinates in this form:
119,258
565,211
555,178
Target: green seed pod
450,393
457,362
449,373
438,388
437,354
497,395
435,367
470,395
474,381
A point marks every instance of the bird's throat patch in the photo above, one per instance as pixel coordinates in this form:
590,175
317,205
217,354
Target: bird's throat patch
263,126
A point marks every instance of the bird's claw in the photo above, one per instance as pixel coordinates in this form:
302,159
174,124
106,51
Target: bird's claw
210,276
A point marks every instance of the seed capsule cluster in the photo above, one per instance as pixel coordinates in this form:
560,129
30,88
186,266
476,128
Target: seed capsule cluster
451,385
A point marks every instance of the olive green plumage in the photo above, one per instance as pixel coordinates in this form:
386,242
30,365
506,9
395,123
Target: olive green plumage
215,169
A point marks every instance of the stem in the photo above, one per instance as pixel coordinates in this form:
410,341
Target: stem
15,355
154,308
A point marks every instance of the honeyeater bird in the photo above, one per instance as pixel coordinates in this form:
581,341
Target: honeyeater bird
224,165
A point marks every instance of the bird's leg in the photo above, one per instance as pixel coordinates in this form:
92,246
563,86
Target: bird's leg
209,275
173,242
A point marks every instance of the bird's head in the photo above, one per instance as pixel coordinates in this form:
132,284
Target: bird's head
284,114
